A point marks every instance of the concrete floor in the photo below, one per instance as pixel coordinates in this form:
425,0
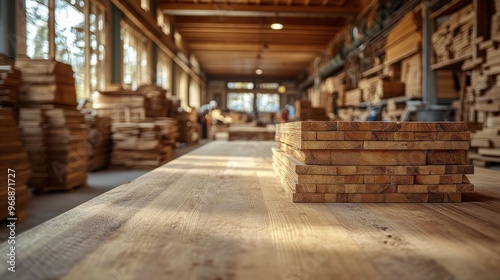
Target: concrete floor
46,206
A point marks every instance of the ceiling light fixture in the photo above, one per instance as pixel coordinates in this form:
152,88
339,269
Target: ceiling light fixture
276,25
258,71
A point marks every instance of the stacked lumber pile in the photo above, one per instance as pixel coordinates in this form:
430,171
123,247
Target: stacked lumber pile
446,85
14,161
155,100
352,114
393,110
352,97
305,111
46,82
406,37
377,88
99,141
189,131
452,39
10,80
146,144
373,161
120,105
411,75
54,132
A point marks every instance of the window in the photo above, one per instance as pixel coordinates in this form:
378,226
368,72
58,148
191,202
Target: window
269,85
37,28
163,72
267,102
145,5
194,94
240,85
241,102
97,47
135,57
70,39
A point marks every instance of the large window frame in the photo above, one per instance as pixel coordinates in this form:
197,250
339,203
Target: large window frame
135,60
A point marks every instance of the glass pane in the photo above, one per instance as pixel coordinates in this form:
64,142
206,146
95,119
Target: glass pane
69,39
241,102
240,85
268,102
37,29
269,85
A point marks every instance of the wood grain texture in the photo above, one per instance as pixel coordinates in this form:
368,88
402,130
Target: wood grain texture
220,213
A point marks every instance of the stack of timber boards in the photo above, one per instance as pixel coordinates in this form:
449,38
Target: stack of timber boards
373,161
54,132
14,161
46,82
155,100
305,111
406,37
119,105
452,39
10,80
99,138
188,127
67,149
146,144
378,88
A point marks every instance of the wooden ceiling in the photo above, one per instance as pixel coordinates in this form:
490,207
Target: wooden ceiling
231,38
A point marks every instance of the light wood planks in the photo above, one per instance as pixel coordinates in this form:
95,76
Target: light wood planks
373,161
220,212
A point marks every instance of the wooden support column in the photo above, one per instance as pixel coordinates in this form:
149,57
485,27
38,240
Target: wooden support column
20,28
86,83
52,30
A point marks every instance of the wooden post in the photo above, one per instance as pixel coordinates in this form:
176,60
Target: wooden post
86,85
52,30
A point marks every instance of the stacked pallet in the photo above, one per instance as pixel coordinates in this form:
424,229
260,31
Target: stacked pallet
10,80
146,144
155,100
14,161
99,141
452,39
119,105
406,37
373,161
189,132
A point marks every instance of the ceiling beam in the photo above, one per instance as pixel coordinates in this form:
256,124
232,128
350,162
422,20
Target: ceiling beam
254,10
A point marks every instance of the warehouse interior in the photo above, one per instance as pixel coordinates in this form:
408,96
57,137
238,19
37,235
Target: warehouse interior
250,139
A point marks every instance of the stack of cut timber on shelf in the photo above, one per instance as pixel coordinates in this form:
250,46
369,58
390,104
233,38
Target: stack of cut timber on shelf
119,105
446,85
46,82
99,139
406,37
411,75
15,168
352,97
67,150
378,88
373,161
155,100
486,144
188,127
34,130
452,39
305,111
142,144
10,80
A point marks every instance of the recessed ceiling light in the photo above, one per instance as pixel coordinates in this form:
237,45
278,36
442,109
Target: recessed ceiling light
276,26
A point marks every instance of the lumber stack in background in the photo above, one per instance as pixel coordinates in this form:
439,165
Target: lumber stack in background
405,38
373,161
452,39
99,139
189,130
53,129
376,89
155,100
10,81
14,161
143,145
120,105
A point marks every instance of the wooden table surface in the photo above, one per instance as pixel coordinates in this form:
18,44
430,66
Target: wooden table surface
220,212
